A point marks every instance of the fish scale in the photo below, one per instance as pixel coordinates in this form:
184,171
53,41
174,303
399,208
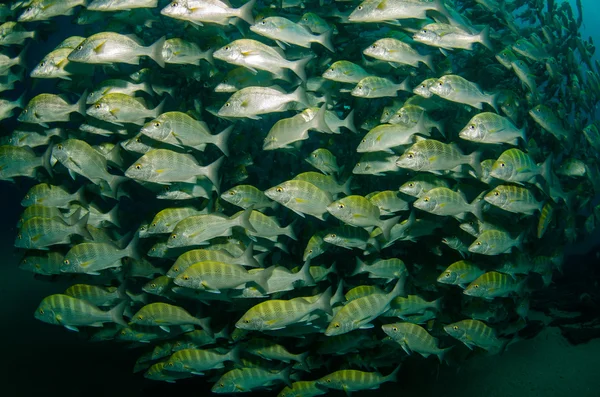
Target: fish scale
196,361
166,220
431,155
512,198
96,295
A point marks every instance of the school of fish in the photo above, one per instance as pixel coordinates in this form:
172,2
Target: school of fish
295,195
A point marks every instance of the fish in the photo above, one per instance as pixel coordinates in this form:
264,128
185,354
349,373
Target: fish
71,313
431,155
491,128
515,199
215,276
390,10
351,380
475,333
213,11
91,258
247,379
46,108
445,202
415,338
359,313
43,10
196,361
450,37
494,284
301,197
460,273
286,32
164,316
251,102
396,51
457,89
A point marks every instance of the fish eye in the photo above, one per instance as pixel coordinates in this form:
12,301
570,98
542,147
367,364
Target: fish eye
66,262
25,110
97,106
424,31
440,84
315,155
227,104
157,124
329,380
247,321
496,193
502,164
472,127
448,274
123,332
279,189
410,155
331,69
341,206
426,199
411,185
152,249
19,236
41,311
455,328
174,4
476,286
170,364
221,384
231,193
173,236
153,285
186,277
154,224
359,87
138,139
79,48
138,166
374,46
175,269
226,48
263,22
359,8
333,235
59,146
337,325
140,317
42,64
478,243
364,141
310,251
395,329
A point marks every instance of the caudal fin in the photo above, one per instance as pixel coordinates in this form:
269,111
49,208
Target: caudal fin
475,162
349,122
248,257
81,227
116,313
156,52
222,138
299,66
306,277
484,38
245,12
299,95
262,278
212,172
428,60
325,40
243,220
324,302
387,226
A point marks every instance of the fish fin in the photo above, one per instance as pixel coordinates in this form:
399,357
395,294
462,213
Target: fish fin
198,373
222,138
484,38
387,226
156,52
306,276
212,172
72,328
164,328
281,44
81,227
298,67
116,313
366,326
325,40
245,12
324,302
99,47
299,213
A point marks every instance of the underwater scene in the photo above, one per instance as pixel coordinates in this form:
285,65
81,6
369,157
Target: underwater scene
298,198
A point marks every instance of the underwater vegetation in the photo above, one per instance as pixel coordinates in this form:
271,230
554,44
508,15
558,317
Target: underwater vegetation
296,195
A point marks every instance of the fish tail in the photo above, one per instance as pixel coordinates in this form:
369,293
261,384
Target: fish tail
209,57
428,60
20,102
437,305
484,38
248,258
213,172
234,354
80,195
299,95
405,85
475,162
81,105
132,249
298,67
477,207
347,191
244,219
398,288
113,216
245,12
324,302
387,226
222,138
302,359
319,121
115,182
442,354
204,323
156,52
326,40
546,170
360,265
349,122
116,313
289,230
284,375
305,272
47,160
80,227
392,377
262,278
157,111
